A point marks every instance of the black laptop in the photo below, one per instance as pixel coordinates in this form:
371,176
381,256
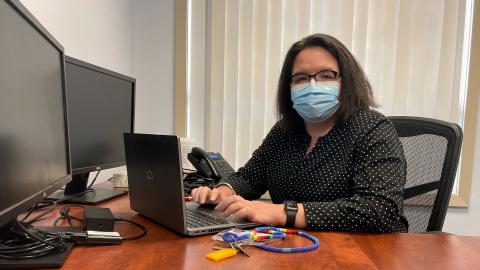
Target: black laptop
155,181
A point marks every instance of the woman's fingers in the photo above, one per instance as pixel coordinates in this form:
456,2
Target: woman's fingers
201,194
246,213
227,201
214,195
194,193
204,194
232,204
233,207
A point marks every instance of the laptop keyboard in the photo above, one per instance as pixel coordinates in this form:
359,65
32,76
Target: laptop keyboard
196,219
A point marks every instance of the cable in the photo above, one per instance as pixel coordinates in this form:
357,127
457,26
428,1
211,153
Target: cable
53,204
142,234
36,218
37,206
194,180
22,241
195,176
64,214
52,207
37,237
25,242
94,179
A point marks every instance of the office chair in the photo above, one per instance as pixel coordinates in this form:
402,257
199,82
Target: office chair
432,150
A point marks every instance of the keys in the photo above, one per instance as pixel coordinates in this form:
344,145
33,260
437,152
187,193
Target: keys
221,245
239,247
237,239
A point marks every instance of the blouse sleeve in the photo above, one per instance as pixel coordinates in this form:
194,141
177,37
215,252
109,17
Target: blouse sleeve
379,177
250,180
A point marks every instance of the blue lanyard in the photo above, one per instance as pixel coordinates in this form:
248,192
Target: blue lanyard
273,233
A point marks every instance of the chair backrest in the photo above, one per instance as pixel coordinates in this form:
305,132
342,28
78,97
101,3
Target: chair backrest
432,150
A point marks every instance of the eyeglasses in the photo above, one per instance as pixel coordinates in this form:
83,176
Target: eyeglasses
321,76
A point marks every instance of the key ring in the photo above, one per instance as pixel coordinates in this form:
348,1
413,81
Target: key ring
230,237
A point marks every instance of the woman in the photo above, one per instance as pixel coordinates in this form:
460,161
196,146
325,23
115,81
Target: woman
330,162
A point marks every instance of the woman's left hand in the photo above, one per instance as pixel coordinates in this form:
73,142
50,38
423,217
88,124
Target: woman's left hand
255,211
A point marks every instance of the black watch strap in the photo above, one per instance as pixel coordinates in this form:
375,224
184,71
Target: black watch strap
291,209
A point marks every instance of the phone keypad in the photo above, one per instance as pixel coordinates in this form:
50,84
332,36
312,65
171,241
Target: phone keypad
222,165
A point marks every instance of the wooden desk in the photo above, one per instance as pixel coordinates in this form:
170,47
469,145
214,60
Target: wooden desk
162,249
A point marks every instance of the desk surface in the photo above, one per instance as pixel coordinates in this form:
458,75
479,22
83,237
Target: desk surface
162,249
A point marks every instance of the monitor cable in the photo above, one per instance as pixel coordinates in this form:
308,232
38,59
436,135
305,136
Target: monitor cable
93,181
22,241
52,204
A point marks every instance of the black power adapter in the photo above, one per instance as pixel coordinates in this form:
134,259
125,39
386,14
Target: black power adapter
98,219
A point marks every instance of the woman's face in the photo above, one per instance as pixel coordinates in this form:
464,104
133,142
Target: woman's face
312,60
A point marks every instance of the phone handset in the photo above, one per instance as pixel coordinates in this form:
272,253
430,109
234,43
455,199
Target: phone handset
211,165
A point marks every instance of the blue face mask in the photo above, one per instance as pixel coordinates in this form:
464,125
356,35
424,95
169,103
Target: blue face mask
315,101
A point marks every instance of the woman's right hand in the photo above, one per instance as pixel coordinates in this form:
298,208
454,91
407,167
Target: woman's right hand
204,195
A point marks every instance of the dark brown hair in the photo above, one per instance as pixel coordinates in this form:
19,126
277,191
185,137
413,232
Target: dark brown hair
356,91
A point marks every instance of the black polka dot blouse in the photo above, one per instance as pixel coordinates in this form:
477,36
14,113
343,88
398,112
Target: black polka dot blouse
352,180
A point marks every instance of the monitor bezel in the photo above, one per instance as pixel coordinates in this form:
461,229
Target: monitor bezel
83,64
12,212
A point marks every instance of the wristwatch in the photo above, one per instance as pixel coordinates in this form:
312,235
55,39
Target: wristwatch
291,209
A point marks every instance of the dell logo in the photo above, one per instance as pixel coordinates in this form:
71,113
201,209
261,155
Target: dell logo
150,175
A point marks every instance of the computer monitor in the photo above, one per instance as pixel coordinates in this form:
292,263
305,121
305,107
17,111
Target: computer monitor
100,109
34,148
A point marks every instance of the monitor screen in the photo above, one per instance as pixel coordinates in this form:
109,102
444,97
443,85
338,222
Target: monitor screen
34,159
100,109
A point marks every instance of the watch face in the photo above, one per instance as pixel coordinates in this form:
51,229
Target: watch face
291,205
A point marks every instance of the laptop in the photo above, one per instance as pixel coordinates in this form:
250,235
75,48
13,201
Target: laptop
155,180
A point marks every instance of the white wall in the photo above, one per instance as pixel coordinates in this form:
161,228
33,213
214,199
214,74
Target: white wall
135,38
153,47
466,221
94,31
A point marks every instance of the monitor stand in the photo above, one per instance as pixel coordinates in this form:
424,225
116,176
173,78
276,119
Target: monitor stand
79,184
54,259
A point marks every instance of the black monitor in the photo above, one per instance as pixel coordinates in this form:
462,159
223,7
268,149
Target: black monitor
100,109
34,159
34,148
